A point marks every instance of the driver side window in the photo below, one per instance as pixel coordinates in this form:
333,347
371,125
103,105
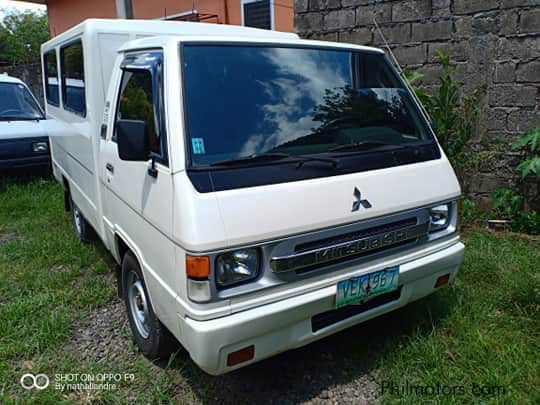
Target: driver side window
136,102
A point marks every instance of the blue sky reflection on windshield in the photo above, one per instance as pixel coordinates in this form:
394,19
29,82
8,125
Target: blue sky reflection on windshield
263,98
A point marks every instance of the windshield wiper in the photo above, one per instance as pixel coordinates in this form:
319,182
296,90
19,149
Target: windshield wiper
303,159
253,158
273,156
369,146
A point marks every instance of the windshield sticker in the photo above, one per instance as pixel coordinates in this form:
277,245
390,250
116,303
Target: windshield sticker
198,146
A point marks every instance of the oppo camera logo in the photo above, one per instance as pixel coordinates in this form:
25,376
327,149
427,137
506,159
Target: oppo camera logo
31,381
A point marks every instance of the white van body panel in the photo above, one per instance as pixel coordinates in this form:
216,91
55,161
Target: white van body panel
205,220
163,219
303,207
101,41
23,129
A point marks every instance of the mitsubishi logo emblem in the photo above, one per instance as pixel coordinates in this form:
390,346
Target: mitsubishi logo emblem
358,201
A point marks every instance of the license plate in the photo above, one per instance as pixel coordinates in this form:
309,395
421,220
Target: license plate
370,285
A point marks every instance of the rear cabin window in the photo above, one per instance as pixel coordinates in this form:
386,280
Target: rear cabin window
72,62
137,103
51,78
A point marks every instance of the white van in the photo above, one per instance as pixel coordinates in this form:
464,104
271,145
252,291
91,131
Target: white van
259,191
24,142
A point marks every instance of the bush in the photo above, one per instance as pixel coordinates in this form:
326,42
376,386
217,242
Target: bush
454,116
529,143
469,213
507,204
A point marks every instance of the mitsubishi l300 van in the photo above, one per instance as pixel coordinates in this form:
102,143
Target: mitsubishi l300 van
24,141
259,191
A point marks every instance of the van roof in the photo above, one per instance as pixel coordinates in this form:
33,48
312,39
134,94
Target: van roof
160,27
162,40
5,78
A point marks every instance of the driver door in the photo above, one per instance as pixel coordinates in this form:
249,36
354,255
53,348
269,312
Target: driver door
138,201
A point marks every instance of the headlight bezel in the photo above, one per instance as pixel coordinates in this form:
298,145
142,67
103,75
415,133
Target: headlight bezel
439,217
443,217
231,256
40,147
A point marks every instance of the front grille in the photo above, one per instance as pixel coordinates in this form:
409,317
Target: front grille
364,233
13,148
325,319
405,243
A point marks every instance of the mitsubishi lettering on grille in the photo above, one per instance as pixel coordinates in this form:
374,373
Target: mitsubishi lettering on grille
350,249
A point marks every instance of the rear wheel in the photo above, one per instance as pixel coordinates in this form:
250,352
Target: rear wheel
151,336
84,230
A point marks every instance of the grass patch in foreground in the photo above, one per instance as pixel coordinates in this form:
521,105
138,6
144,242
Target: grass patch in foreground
483,329
48,279
484,336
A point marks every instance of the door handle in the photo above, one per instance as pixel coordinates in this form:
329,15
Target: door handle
109,167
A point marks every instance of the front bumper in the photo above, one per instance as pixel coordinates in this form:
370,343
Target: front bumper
28,162
17,153
287,324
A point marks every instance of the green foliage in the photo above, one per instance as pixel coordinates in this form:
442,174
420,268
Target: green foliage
529,144
413,77
21,36
527,222
469,213
508,204
454,115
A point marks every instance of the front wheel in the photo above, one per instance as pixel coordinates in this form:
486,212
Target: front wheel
151,336
84,230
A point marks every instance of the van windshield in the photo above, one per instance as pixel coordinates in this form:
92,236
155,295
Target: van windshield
252,101
17,104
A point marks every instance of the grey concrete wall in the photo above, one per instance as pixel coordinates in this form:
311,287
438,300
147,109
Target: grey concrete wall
29,73
495,43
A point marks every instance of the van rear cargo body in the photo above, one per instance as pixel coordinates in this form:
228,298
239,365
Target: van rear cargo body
259,191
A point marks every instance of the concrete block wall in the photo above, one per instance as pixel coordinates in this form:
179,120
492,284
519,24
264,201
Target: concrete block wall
495,44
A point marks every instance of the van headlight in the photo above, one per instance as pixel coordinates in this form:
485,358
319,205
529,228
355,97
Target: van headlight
40,147
439,217
237,266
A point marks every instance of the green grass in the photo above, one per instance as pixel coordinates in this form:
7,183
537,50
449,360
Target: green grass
483,329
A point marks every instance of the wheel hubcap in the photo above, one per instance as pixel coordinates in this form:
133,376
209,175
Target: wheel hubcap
77,219
138,305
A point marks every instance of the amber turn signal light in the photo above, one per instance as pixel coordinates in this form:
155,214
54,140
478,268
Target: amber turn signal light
442,280
198,266
240,356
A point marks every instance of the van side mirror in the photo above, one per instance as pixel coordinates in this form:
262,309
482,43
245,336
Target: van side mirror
132,139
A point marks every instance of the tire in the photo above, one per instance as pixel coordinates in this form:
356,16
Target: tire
151,336
83,229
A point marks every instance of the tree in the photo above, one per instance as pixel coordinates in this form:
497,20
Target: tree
21,35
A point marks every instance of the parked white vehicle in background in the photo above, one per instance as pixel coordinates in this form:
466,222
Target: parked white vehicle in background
24,142
259,191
